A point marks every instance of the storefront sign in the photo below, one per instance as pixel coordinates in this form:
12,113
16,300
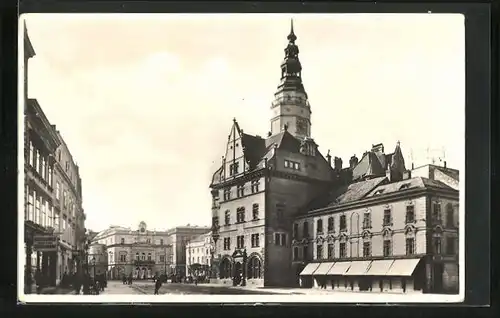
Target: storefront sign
45,243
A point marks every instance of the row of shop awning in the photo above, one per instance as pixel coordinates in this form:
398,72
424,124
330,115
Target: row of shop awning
398,267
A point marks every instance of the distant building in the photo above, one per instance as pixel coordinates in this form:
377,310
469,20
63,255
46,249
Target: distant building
180,237
97,259
141,252
198,255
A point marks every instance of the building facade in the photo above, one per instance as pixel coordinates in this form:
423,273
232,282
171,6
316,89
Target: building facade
199,255
97,259
180,237
263,182
48,250
285,215
141,252
393,233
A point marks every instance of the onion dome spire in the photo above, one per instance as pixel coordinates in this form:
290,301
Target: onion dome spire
290,67
291,37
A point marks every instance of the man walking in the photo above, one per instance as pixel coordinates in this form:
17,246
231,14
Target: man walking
158,285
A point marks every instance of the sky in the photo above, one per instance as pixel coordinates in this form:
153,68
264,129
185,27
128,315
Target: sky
145,102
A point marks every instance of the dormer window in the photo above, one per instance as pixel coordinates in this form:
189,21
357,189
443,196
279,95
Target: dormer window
378,192
404,186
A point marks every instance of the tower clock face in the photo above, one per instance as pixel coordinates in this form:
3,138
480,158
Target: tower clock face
301,126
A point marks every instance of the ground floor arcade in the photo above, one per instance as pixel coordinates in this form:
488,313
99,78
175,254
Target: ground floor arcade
239,269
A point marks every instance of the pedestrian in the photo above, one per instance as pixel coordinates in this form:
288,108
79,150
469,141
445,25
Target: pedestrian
38,281
158,284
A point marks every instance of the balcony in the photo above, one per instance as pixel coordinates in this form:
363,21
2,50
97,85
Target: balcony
143,262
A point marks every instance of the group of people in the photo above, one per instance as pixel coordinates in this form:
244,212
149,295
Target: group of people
127,280
80,282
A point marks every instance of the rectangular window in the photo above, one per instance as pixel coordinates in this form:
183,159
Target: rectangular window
331,224
331,251
319,226
30,207
37,210
343,223
255,186
450,218
436,212
58,190
292,165
280,239
227,243
37,163
387,217
240,215
227,217
123,257
387,248
410,214
233,168
56,222
50,176
255,211
450,245
149,257
367,249
319,251
65,199
305,253
343,250
240,190
295,231
32,157
410,246
43,169
43,215
255,240
367,220
305,229
215,223
227,194
437,245
295,253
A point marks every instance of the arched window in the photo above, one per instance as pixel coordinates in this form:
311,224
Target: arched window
331,224
254,268
149,256
161,241
137,256
410,241
319,226
305,230
143,256
450,219
227,217
387,247
225,268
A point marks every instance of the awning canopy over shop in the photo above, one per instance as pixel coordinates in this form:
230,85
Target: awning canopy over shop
339,268
403,267
379,268
309,269
323,269
358,268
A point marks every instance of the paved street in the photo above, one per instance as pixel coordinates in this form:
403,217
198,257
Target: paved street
118,288
206,289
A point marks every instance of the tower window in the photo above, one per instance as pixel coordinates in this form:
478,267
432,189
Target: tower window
233,168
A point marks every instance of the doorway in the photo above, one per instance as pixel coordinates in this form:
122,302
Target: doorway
238,271
437,277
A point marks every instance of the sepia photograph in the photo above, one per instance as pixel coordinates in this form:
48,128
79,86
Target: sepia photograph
241,158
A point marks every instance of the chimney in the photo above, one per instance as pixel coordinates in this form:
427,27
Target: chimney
269,134
445,164
353,162
338,163
329,158
412,166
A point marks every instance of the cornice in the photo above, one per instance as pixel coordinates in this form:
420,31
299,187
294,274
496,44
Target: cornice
245,177
383,198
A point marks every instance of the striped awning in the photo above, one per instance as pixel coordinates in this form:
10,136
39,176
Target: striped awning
358,268
309,269
323,268
339,268
380,267
403,267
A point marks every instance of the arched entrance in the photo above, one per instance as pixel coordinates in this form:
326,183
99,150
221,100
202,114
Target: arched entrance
254,267
225,268
238,273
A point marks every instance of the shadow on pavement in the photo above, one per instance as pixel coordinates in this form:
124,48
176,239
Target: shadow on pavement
170,288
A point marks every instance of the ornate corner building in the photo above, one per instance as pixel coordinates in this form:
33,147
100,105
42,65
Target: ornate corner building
285,215
54,229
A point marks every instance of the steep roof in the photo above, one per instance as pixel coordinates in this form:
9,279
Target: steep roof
344,194
417,182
